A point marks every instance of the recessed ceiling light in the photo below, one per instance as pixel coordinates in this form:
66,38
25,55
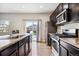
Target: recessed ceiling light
41,6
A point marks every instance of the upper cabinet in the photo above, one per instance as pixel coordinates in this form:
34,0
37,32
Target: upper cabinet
72,14
59,8
74,11
54,14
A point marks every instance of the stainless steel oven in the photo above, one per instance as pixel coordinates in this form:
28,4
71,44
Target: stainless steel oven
55,45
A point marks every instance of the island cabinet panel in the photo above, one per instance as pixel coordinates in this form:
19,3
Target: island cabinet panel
14,53
10,50
74,11
27,45
20,48
63,51
24,46
68,49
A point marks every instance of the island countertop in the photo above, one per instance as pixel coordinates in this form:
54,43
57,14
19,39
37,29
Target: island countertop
4,43
72,41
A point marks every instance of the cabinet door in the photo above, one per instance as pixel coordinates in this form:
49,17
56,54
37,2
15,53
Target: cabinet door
26,49
28,43
63,51
14,53
70,54
9,50
21,50
59,8
74,10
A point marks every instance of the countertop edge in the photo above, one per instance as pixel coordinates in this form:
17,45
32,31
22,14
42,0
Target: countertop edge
16,40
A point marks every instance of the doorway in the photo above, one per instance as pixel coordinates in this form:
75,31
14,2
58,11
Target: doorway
34,28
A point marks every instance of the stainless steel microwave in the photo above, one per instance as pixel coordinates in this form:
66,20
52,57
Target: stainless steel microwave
63,17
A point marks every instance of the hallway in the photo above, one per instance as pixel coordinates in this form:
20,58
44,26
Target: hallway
40,49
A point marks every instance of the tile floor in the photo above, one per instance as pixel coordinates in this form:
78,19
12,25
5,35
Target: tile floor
39,49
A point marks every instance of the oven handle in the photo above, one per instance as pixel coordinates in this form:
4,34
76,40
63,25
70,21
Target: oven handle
55,40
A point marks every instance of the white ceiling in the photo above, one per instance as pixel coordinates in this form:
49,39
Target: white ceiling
27,7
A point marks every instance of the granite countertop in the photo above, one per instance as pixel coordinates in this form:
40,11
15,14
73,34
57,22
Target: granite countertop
4,43
72,41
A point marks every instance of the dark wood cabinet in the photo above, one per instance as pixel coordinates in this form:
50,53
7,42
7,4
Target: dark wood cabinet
27,49
67,49
71,54
27,45
63,51
73,13
55,13
9,50
14,53
51,28
74,10
59,8
49,40
20,48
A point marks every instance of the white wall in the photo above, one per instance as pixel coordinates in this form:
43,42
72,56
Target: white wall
16,21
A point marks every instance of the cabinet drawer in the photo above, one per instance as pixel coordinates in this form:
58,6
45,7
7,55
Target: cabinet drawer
9,50
72,49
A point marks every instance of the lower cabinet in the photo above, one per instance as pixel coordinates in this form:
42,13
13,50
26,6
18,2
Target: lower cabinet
14,53
27,45
9,50
26,49
20,48
63,51
49,40
67,49
70,54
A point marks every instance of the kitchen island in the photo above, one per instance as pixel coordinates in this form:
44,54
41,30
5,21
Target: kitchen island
19,46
